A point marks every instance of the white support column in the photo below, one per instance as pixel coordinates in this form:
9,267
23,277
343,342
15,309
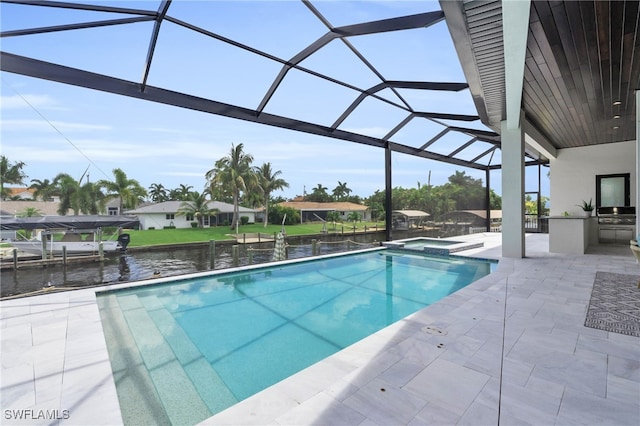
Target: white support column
637,203
512,141
515,29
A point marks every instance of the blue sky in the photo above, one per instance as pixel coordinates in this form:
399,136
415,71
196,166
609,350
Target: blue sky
59,128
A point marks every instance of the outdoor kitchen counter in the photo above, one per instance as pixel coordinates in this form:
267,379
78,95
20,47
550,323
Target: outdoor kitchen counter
570,234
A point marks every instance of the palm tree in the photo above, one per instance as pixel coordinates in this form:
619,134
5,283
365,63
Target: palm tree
67,188
44,189
341,191
268,181
355,217
235,173
197,206
158,193
184,191
30,212
129,191
91,200
173,195
10,173
333,216
318,194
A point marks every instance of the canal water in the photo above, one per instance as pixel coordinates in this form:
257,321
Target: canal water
136,265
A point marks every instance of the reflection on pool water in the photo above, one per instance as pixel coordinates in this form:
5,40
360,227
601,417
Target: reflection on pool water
183,351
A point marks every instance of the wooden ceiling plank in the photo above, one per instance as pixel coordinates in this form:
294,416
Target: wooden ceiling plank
630,57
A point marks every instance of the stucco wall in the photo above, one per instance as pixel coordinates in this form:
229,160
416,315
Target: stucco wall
573,173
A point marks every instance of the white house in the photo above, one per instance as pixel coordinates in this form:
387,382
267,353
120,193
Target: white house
160,215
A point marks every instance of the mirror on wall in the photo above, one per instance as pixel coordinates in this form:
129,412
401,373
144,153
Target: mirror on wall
613,190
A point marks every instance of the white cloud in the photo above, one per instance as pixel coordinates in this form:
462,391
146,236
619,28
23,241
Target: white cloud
42,126
26,101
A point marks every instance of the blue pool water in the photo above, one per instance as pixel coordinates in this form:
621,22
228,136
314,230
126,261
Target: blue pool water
183,351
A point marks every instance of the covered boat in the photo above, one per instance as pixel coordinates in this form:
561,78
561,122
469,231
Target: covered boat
78,235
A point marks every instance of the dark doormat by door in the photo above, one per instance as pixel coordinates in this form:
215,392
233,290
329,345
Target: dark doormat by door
615,304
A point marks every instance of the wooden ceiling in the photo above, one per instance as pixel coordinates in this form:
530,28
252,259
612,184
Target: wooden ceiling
582,66
581,70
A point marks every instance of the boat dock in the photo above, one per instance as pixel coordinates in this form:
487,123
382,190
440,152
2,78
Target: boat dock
253,237
23,260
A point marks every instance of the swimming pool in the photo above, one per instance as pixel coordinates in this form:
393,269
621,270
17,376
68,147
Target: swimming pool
183,351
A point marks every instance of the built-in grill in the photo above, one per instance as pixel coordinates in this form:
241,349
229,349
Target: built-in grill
616,224
617,215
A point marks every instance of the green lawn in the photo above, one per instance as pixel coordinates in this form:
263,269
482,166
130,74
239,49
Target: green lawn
191,235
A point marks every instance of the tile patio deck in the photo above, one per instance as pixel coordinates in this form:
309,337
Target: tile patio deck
529,361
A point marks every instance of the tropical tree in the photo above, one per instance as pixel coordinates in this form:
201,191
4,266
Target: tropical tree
30,212
531,205
197,206
341,191
354,217
286,215
174,195
467,192
90,199
44,189
67,188
318,194
333,217
158,193
220,193
269,181
183,192
235,173
129,191
10,173
252,198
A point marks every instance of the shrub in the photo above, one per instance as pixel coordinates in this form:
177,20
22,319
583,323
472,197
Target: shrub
169,227
244,220
276,213
194,224
151,227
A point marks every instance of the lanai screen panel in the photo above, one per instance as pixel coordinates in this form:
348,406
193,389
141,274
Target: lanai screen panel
320,68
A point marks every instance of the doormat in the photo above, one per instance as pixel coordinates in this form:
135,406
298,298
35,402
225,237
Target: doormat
615,304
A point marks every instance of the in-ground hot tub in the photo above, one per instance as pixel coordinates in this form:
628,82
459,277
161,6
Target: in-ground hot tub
434,246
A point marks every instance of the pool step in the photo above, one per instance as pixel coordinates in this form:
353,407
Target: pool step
183,381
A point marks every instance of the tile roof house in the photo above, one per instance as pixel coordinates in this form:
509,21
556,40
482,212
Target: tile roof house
160,215
44,208
312,211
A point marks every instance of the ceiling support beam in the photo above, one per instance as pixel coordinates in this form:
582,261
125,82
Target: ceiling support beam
457,24
465,146
538,141
487,198
80,6
375,27
388,188
515,28
435,138
162,12
70,27
420,85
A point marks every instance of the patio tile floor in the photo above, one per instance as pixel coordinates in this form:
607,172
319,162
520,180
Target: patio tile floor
529,361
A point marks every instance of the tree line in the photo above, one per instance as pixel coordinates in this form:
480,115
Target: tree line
235,180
